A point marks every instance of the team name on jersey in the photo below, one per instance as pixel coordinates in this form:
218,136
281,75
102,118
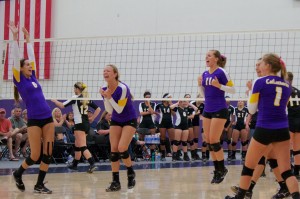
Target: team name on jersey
273,81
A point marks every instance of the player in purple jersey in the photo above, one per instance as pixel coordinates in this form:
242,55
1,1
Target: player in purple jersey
270,95
118,101
40,123
212,85
82,125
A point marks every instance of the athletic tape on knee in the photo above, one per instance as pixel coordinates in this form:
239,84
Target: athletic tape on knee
296,153
262,161
124,155
83,148
285,175
216,146
273,163
247,171
114,156
196,140
184,143
46,159
29,161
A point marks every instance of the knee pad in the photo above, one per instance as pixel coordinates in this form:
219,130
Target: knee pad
162,142
209,147
233,143
77,148
273,163
262,161
296,153
247,171
204,144
184,143
29,161
124,155
114,156
176,142
216,147
196,140
172,142
221,142
46,159
83,148
191,142
285,175
228,142
244,143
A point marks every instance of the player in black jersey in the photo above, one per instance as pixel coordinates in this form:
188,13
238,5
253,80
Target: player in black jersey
147,112
165,123
294,125
227,132
240,113
181,128
196,130
82,125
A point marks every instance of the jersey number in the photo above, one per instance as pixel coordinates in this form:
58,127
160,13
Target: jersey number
208,81
278,96
83,110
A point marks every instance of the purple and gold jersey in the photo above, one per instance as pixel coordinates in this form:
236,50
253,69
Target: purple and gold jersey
120,104
29,88
270,96
215,97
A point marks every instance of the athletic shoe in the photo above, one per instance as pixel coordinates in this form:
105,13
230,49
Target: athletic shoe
131,180
92,168
235,190
221,175
19,182
186,158
216,176
42,189
282,193
196,157
114,186
72,167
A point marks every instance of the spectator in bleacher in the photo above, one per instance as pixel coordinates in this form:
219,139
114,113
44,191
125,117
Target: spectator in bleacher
103,125
20,128
93,123
69,122
7,133
24,116
59,120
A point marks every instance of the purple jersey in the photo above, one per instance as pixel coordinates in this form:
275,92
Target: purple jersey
215,97
29,88
273,94
120,104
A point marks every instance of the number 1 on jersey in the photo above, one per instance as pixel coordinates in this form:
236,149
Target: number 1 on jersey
278,96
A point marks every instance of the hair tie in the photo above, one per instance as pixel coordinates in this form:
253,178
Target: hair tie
282,63
84,86
223,57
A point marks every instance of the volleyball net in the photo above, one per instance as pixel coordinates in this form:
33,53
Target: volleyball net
156,63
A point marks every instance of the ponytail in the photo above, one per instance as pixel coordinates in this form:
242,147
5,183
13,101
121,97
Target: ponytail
85,94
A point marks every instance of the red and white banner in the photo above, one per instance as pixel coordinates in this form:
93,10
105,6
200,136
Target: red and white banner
35,16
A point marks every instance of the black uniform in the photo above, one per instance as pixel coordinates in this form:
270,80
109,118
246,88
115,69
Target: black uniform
166,120
240,118
147,121
189,111
294,111
230,113
181,118
196,120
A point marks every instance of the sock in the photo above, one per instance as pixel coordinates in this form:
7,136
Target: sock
216,165
163,153
252,186
130,170
116,176
20,171
75,162
295,195
41,177
91,160
221,165
282,185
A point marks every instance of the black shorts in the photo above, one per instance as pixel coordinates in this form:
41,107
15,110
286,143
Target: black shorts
268,136
132,123
240,126
221,114
190,124
84,126
166,124
182,127
147,124
294,125
39,123
196,122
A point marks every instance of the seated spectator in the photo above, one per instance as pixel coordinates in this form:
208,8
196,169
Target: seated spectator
7,134
24,116
58,120
20,128
93,123
69,126
103,126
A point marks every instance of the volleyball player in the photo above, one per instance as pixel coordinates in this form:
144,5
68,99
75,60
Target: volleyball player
118,101
181,128
270,95
82,125
228,127
165,123
196,129
240,113
40,126
294,124
213,84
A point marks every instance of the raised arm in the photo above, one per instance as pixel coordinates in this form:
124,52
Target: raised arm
16,51
30,50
